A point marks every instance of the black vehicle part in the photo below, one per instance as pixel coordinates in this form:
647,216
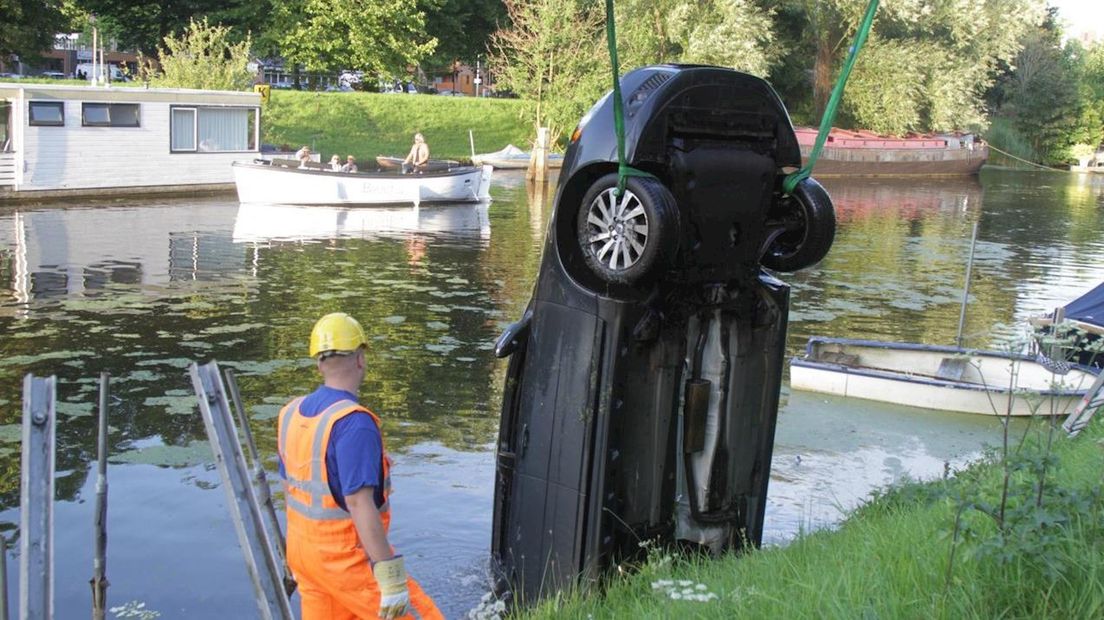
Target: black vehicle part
513,337
623,238
805,229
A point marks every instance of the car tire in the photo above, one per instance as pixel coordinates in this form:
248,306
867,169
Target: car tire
811,228
622,239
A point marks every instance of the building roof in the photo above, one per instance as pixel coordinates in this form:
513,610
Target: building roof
127,93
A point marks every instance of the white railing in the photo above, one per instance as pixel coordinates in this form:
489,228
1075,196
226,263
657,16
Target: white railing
7,169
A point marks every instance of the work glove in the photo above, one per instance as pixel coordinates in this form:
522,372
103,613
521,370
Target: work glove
394,595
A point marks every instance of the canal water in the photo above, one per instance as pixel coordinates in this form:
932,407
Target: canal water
142,288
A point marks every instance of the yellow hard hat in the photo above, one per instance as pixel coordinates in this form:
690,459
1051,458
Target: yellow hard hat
336,332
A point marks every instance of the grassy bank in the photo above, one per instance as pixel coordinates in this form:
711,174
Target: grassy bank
947,549
369,124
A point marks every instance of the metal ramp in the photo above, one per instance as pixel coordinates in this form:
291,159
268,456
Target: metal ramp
265,570
1083,413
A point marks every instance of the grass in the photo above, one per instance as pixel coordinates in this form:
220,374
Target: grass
370,124
893,557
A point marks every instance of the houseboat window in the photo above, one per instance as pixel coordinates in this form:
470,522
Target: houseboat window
213,129
183,129
47,113
109,114
5,127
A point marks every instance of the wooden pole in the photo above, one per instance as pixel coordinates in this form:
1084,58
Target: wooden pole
966,288
471,141
95,44
538,163
99,561
260,479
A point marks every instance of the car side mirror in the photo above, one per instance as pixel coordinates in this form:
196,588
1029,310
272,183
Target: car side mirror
514,337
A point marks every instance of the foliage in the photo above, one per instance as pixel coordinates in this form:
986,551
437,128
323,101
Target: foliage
461,27
936,58
1004,136
379,37
27,27
553,53
203,56
729,33
1051,96
144,25
886,106
370,124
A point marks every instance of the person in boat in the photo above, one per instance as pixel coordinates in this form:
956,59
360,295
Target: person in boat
335,163
350,164
303,155
333,459
418,157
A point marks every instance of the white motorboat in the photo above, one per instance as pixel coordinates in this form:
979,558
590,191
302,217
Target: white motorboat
937,377
513,158
264,182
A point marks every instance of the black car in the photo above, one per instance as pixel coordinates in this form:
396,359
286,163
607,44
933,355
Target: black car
643,380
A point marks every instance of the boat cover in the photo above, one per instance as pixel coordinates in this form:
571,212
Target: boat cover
1088,308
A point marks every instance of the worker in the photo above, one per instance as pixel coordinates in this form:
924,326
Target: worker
337,475
418,157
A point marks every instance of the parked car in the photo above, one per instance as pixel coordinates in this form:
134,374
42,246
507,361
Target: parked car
57,75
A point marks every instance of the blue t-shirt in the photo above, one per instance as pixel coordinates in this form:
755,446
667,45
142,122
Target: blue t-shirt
354,454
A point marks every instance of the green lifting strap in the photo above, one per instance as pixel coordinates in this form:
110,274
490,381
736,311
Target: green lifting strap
791,181
624,170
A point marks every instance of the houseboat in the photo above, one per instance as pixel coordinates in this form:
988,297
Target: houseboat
59,140
864,153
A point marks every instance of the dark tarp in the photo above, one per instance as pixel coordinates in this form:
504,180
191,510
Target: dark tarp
1088,308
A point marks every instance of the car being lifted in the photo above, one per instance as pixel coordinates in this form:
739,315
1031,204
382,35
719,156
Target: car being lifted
643,380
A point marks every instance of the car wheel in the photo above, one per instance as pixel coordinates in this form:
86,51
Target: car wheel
622,238
808,225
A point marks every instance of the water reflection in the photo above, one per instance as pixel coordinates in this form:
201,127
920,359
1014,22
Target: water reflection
141,288
258,223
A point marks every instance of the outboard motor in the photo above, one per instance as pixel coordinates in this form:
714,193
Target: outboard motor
643,381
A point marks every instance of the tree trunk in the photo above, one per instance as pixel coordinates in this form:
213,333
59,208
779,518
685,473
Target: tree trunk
822,74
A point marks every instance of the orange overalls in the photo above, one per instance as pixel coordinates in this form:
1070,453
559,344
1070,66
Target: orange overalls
324,552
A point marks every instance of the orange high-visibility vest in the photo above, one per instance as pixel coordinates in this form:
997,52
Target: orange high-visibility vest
311,508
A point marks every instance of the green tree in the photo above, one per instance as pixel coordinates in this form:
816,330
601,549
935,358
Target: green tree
729,33
1048,95
462,28
937,58
27,27
203,56
553,53
377,37
144,25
